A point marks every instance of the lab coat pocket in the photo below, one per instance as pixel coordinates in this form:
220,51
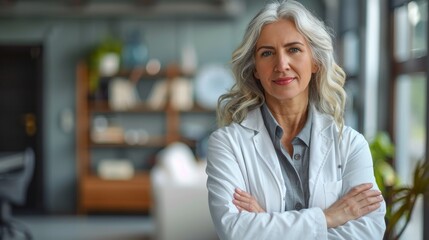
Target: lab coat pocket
332,192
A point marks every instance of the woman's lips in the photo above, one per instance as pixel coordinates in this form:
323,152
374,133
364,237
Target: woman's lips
284,81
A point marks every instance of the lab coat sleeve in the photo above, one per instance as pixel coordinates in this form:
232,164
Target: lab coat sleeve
225,173
358,170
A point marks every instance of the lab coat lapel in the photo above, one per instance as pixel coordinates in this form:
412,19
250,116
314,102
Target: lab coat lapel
320,146
262,143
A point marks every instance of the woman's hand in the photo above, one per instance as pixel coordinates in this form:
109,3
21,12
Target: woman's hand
244,201
358,202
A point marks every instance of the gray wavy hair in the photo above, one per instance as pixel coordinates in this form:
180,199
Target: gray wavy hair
326,86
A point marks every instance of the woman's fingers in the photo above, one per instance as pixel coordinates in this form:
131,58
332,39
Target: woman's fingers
371,198
238,207
241,200
364,196
244,201
358,190
242,194
358,202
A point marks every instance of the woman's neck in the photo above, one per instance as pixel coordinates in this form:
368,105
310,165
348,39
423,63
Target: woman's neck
291,116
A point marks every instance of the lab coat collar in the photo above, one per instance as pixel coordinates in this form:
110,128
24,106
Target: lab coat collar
255,122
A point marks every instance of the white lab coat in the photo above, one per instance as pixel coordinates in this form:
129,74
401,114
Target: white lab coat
242,155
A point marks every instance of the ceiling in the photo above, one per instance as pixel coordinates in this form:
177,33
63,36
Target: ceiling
121,8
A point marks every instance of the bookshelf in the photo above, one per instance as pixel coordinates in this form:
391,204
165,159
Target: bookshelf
96,194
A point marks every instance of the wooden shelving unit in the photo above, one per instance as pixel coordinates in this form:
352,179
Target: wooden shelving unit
99,195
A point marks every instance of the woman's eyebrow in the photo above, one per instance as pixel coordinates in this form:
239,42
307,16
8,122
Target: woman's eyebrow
286,45
264,47
293,43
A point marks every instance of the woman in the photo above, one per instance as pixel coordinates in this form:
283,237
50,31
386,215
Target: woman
283,165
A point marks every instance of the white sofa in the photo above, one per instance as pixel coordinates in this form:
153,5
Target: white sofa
180,196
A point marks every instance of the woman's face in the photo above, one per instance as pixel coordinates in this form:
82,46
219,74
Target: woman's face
284,63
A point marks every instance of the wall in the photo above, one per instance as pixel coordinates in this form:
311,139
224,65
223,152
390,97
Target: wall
66,41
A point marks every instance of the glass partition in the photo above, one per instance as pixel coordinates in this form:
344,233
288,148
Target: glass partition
410,128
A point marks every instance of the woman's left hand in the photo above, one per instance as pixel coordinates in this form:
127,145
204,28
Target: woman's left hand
246,202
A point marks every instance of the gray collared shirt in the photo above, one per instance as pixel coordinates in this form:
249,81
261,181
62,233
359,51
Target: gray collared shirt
295,165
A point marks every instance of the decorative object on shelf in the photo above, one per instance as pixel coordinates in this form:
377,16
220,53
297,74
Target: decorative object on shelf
131,137
110,135
135,53
136,136
210,83
181,94
109,65
104,61
153,66
103,132
189,59
122,94
157,98
115,169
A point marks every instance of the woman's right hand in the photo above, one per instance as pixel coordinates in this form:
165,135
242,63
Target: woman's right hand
358,202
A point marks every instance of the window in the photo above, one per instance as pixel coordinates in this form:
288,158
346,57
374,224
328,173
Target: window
408,89
410,137
410,30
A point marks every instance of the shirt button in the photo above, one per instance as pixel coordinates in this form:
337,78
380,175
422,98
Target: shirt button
297,157
298,206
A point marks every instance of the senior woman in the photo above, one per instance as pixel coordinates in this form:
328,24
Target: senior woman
282,164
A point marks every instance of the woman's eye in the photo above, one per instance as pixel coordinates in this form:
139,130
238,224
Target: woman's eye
266,53
294,50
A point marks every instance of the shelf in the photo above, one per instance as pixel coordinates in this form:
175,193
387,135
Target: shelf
158,141
103,107
116,195
96,194
155,143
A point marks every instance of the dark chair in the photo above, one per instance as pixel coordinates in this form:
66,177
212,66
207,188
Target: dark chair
16,170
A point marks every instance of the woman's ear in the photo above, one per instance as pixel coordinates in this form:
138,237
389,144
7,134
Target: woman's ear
255,74
314,67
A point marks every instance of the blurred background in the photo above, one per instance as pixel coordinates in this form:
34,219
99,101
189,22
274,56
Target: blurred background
116,99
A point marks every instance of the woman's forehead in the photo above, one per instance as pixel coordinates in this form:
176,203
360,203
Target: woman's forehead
283,30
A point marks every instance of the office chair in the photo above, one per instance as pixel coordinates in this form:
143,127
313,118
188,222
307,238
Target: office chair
16,170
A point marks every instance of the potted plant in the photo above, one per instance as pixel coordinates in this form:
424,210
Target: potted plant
103,61
400,199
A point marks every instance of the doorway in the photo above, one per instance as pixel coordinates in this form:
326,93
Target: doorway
21,69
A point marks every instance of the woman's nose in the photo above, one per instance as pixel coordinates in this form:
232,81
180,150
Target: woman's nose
282,62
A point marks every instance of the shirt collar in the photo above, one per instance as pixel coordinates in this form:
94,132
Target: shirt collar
305,133
270,123
275,131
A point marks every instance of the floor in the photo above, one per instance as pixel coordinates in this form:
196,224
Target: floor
103,227
89,227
